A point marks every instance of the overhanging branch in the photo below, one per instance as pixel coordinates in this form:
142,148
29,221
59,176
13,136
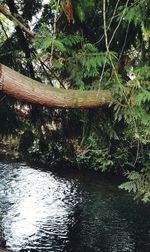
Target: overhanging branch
24,88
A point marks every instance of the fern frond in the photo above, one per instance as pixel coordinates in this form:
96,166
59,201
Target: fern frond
70,40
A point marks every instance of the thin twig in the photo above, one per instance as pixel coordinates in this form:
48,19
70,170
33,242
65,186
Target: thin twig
113,16
54,34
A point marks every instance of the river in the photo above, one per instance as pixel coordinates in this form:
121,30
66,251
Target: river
69,211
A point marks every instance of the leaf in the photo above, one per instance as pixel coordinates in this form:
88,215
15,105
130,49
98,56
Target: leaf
56,43
70,40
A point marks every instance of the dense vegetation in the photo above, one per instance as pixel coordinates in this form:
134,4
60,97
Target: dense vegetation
83,45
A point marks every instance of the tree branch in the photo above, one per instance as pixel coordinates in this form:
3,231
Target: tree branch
16,22
24,88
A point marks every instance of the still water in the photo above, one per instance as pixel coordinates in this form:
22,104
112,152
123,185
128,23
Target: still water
69,211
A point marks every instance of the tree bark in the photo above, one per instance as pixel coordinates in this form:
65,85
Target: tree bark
24,88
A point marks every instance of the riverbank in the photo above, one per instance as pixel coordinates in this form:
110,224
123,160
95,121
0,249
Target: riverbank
9,149
5,250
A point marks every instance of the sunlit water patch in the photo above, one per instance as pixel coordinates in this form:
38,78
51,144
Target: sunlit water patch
34,206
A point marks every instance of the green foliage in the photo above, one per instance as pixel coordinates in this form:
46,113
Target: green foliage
132,107
44,41
70,40
132,14
84,8
139,184
82,62
97,160
132,100
137,13
93,157
58,46
91,60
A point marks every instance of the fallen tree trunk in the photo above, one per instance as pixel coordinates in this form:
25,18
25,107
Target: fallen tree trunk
24,88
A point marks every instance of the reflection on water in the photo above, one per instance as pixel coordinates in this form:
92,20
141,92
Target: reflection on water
69,212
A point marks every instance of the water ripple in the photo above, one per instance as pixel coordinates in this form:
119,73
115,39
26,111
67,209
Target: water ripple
52,212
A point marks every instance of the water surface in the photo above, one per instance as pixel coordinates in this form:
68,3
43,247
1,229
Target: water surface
69,211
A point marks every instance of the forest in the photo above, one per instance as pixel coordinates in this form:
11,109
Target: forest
75,86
